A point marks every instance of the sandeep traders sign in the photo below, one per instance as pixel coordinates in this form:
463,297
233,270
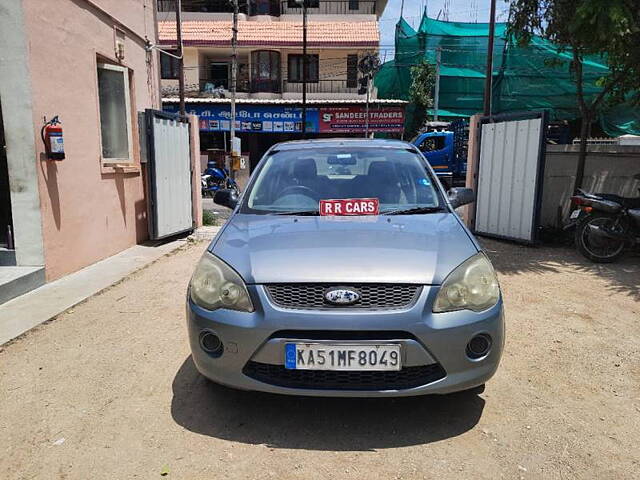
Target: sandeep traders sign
353,119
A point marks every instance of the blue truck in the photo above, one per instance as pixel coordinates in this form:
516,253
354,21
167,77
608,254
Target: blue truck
445,147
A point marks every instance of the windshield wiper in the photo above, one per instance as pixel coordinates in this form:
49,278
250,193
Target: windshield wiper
408,211
301,213
413,211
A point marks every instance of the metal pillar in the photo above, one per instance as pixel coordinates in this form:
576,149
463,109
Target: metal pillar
181,56
488,82
436,94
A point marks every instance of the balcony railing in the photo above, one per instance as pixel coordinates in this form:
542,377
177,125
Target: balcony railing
265,86
209,86
330,7
322,86
273,7
207,6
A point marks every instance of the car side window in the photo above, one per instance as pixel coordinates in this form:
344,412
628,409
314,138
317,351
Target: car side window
432,144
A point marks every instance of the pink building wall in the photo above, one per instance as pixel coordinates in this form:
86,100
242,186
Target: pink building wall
89,211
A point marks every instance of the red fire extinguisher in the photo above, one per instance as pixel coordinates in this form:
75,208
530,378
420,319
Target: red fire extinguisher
51,134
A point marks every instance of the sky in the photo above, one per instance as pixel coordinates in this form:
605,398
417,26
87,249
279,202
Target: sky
459,11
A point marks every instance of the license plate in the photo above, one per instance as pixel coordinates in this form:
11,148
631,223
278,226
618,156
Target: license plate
575,214
320,356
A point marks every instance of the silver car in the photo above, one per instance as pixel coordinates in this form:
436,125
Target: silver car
344,271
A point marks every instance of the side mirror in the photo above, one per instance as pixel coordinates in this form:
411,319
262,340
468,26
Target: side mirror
226,198
459,196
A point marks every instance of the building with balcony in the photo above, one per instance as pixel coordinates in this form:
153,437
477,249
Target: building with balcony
270,69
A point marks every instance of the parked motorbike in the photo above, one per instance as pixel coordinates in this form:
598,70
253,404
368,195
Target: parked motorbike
606,224
214,179
204,184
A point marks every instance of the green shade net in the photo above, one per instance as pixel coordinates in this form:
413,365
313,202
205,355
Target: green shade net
532,77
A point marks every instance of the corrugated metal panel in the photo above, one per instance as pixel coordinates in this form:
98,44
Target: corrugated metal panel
508,179
171,177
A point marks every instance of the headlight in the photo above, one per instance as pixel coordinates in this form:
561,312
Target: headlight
471,286
216,285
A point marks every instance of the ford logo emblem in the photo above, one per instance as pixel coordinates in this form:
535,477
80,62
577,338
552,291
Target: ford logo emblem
341,296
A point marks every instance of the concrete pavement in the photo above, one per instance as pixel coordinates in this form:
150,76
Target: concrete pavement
37,306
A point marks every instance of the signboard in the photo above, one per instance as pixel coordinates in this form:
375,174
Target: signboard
350,206
285,119
353,119
249,118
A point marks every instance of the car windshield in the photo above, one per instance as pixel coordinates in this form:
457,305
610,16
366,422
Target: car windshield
294,181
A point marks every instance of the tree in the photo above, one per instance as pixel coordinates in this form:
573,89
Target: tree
420,97
608,28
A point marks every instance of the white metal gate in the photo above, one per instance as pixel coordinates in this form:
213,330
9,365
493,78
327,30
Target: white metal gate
510,172
169,172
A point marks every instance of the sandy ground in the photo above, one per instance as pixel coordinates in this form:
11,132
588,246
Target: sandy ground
221,213
108,390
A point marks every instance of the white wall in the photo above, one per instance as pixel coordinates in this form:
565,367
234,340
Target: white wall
17,112
608,169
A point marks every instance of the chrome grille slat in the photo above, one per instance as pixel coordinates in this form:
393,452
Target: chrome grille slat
373,296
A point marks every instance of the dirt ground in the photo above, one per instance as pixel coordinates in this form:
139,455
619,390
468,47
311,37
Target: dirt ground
108,390
219,214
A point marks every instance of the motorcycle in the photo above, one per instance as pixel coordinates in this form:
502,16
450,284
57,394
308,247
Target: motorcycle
214,179
606,224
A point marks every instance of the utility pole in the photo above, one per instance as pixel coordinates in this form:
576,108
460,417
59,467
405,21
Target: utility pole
180,57
368,66
232,89
305,67
366,128
436,103
488,81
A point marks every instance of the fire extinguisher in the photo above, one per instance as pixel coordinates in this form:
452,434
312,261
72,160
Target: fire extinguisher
51,134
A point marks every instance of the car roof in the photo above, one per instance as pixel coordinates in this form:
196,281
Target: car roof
342,142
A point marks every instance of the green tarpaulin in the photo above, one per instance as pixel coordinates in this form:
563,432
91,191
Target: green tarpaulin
535,77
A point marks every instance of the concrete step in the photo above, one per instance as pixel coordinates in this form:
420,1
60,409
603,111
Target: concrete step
15,281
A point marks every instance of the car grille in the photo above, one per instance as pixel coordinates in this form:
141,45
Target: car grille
373,296
408,377
343,335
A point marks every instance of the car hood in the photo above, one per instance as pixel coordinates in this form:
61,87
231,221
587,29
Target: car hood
419,249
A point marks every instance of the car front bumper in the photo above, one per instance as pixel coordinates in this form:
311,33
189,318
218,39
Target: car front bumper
426,339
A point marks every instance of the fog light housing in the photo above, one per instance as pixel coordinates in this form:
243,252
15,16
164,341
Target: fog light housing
479,346
211,343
